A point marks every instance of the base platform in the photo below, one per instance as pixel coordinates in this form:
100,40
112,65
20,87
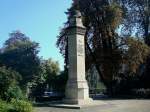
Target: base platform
61,104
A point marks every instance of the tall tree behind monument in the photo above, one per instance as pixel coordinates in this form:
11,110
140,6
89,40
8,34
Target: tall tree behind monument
92,20
105,48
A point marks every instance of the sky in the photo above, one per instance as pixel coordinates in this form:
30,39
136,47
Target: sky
38,19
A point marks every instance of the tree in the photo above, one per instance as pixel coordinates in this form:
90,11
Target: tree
20,54
105,48
135,55
61,81
51,71
136,18
97,24
137,21
46,78
8,81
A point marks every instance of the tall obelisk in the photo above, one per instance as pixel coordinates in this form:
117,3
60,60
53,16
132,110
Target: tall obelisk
77,91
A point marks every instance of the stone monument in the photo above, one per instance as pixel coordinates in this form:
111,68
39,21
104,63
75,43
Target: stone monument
77,90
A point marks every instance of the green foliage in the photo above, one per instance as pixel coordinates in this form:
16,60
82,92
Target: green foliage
104,20
137,53
14,92
18,53
21,106
16,106
46,78
49,69
101,86
4,107
61,81
114,15
8,79
52,70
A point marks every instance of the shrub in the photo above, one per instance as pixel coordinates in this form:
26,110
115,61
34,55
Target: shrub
14,92
4,107
8,78
21,106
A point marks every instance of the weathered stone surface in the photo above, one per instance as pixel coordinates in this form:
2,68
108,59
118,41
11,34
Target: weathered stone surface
77,91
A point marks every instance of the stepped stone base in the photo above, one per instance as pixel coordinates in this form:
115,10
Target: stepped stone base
78,102
64,104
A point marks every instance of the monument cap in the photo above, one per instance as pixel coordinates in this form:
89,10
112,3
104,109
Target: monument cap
76,19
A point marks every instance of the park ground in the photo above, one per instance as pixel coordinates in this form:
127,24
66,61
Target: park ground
109,106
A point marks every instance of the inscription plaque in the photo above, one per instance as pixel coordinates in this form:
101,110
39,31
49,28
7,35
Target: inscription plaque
80,49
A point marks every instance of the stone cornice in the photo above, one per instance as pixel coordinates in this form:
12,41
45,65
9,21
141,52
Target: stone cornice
72,30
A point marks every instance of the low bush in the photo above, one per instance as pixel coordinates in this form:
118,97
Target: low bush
9,84
14,92
16,106
4,107
21,106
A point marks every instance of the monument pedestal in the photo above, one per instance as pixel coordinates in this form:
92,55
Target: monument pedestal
77,93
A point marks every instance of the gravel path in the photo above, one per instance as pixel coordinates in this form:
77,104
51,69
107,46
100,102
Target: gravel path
110,106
